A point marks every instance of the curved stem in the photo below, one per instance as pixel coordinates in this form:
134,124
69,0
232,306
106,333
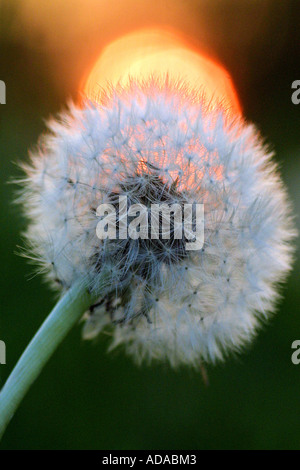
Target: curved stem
56,326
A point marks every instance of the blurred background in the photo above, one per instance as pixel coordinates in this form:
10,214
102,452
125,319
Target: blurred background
85,398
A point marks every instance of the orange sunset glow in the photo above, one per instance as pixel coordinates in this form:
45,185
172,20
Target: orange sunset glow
159,53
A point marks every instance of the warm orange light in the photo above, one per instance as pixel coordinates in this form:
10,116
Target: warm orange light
158,53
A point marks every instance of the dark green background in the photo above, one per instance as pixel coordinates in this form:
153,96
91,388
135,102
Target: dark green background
87,399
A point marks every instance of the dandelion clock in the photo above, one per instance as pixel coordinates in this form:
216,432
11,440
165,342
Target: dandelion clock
155,211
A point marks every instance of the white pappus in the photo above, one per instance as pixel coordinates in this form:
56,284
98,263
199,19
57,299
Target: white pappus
158,143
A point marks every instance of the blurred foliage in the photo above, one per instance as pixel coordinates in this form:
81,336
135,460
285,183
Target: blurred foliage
87,399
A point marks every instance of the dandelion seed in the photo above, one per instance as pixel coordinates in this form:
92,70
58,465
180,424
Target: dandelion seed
166,303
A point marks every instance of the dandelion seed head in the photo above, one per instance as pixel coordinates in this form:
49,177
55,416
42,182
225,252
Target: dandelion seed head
160,144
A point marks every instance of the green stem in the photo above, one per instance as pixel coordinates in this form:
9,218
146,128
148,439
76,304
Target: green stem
56,326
